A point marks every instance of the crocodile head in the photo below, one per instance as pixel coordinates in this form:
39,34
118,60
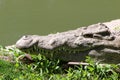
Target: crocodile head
30,44
27,41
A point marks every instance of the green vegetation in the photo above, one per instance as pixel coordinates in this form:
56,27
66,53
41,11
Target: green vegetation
50,69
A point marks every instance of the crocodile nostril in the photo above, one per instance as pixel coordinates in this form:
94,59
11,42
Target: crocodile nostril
26,37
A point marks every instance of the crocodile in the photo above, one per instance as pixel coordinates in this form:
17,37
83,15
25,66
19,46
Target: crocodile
100,41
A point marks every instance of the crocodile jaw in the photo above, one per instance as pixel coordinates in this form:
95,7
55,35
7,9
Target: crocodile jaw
26,41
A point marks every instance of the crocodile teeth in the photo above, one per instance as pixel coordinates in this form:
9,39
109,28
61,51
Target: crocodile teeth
38,50
35,47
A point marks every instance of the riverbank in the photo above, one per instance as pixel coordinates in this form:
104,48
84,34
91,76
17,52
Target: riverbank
12,68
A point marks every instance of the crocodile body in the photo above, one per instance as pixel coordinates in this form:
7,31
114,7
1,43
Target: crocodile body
100,41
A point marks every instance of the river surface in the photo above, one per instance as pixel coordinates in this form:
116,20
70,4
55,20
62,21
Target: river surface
41,17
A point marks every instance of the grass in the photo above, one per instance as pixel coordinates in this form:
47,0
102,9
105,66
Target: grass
45,69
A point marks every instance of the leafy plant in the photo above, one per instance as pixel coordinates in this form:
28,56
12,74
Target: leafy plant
51,69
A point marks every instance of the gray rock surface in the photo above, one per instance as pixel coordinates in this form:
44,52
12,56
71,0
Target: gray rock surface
100,41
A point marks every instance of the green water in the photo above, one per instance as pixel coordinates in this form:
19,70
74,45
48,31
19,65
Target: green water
20,17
